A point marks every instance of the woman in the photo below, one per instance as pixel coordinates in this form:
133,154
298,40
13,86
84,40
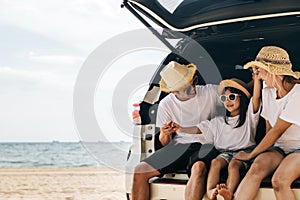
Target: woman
279,151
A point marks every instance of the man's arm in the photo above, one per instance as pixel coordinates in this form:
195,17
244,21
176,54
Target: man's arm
165,135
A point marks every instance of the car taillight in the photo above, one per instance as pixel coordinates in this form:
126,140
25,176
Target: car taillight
136,117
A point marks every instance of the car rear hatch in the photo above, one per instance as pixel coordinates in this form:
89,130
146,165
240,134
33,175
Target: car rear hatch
234,29
188,15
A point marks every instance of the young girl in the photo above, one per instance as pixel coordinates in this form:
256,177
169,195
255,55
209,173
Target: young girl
229,134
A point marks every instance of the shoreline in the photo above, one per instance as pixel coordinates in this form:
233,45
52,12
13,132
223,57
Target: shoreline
101,183
99,169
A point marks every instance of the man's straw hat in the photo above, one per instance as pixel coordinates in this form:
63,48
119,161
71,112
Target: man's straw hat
275,60
175,76
237,84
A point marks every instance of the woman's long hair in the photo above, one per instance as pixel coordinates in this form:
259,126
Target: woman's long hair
244,102
290,79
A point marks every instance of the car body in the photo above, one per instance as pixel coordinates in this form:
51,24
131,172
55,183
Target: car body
219,37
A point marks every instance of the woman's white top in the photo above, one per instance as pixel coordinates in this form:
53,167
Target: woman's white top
188,113
287,109
226,137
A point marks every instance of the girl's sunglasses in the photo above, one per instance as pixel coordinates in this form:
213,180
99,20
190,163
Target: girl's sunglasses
230,97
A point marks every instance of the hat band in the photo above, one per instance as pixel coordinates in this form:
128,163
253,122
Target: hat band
275,62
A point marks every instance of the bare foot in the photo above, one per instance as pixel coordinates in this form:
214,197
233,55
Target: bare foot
224,192
212,194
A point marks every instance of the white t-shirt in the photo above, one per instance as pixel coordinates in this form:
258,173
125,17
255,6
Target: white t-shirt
287,109
188,113
225,137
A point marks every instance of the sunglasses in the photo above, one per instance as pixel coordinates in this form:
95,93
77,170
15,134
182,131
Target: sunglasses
230,97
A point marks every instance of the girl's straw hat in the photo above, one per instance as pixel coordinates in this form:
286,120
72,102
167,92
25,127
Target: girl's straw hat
275,60
237,84
175,76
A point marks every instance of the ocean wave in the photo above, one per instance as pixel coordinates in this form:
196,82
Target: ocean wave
62,154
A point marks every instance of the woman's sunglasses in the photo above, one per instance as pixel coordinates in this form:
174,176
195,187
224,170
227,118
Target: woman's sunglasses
230,97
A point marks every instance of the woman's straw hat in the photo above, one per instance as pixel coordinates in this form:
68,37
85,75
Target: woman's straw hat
237,84
275,60
175,76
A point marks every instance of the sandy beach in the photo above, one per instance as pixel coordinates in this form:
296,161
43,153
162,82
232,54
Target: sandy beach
62,184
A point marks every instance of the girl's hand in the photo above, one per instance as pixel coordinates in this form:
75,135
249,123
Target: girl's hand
176,127
167,130
242,155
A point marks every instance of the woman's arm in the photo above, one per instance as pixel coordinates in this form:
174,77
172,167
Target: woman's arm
268,126
271,137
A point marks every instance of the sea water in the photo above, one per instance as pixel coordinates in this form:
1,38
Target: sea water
63,154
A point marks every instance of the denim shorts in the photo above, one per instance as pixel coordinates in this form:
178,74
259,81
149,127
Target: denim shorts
295,151
281,151
228,155
277,149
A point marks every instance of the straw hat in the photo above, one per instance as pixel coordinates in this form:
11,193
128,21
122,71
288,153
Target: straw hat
175,76
274,60
235,83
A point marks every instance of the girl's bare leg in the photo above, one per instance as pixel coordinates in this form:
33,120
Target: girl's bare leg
232,180
262,166
214,176
286,173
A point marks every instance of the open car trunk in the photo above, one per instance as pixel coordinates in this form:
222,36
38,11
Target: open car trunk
219,37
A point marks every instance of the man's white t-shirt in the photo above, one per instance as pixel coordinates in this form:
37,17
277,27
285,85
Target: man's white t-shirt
287,109
226,137
188,113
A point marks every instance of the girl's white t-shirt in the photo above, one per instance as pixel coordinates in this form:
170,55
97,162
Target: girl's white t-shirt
188,113
287,109
226,137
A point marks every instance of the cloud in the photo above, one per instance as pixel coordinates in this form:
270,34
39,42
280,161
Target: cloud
31,80
55,59
44,44
81,23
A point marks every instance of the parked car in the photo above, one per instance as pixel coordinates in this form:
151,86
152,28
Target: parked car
219,37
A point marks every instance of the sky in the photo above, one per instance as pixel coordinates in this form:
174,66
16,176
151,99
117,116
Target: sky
43,45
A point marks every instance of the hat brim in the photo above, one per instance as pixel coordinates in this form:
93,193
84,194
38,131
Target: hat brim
287,72
189,77
234,84
256,63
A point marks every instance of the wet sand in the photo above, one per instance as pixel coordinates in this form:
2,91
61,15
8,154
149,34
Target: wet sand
62,184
